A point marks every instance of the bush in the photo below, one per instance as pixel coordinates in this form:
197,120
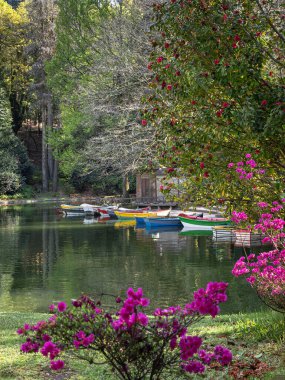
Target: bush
136,346
265,272
9,182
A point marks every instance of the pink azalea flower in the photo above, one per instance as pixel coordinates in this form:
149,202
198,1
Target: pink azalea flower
57,365
61,306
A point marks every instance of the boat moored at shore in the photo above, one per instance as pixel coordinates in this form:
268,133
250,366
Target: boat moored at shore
201,223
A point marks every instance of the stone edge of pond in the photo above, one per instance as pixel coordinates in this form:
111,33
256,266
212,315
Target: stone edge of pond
14,202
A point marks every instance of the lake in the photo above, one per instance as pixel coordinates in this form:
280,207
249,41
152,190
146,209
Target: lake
45,258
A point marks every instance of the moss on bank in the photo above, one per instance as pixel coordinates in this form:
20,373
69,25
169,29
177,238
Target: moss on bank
255,339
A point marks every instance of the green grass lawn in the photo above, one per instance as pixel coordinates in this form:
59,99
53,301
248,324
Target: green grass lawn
256,340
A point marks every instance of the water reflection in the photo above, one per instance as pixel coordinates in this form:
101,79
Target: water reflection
44,258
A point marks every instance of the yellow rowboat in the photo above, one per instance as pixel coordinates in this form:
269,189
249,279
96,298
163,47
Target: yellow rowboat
134,215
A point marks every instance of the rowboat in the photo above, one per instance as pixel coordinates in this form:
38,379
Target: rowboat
83,209
223,233
200,223
106,212
246,238
162,222
132,215
145,214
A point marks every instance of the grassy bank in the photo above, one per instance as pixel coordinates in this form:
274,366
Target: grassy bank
256,340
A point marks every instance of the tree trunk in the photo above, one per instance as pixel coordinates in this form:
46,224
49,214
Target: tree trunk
48,134
17,112
55,176
55,164
44,150
126,186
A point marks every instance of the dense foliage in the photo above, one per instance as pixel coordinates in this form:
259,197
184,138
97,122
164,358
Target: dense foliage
136,346
218,93
14,65
14,164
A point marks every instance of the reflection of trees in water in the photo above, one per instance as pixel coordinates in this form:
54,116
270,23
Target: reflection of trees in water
50,244
63,258
9,219
6,283
109,260
9,245
28,246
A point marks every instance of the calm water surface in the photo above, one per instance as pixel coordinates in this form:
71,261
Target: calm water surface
46,258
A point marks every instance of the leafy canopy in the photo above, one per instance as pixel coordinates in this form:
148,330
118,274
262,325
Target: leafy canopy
218,93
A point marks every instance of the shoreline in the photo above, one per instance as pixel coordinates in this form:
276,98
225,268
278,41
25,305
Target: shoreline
14,202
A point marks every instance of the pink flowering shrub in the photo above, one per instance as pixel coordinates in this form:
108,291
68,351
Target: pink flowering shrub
266,271
271,222
250,184
135,345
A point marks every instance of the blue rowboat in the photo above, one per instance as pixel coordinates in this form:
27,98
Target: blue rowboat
162,222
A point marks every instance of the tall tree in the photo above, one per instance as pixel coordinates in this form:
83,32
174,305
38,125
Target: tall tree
42,16
218,80
100,64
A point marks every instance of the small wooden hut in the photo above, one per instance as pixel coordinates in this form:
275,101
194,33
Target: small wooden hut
148,189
